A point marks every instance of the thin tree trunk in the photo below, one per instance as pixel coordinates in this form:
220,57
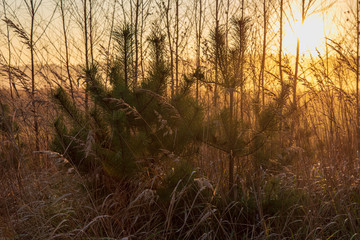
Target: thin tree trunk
231,170
262,70
242,59
66,49
9,52
232,139
331,107
91,33
86,59
227,25
33,95
295,119
198,49
296,73
357,72
170,48
126,64
177,47
109,44
216,53
280,66
297,58
141,41
136,42
281,44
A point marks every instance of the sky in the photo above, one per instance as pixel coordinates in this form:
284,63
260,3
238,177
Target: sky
49,27
317,26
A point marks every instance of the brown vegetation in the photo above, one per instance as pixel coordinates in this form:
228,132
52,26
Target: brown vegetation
224,134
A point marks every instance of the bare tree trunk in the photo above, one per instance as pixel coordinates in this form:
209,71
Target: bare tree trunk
167,12
109,43
126,63
231,170
137,6
281,44
242,59
91,33
297,57
331,107
144,14
263,59
177,47
33,95
296,72
9,52
198,48
227,12
296,118
66,49
280,65
357,73
232,139
86,59
123,10
216,53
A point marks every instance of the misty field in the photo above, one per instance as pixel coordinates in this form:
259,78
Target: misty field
176,119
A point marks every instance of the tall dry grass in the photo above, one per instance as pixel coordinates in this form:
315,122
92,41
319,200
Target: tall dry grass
316,196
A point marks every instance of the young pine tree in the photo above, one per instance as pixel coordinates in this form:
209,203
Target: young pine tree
128,127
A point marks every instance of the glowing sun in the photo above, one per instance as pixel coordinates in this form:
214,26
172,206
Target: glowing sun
311,34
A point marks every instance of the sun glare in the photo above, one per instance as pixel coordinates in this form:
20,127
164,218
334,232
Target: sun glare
310,33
